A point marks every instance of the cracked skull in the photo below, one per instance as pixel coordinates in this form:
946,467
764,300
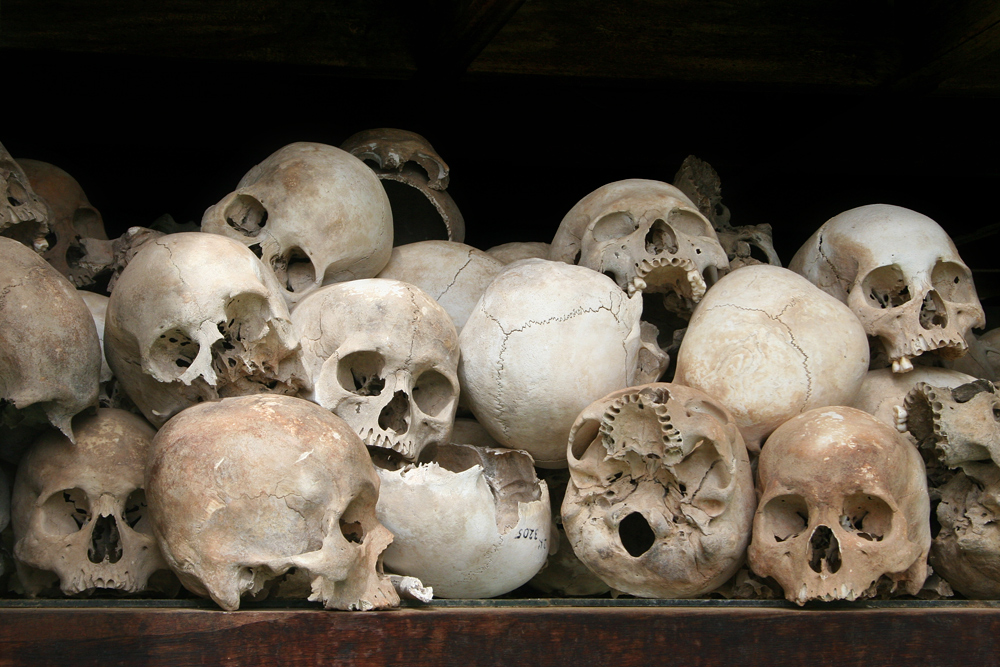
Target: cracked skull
545,340
844,511
313,213
648,237
197,317
305,520
383,355
768,344
79,511
660,497
901,275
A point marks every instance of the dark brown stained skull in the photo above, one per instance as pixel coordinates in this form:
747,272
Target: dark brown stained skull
71,219
253,494
660,497
843,508
79,511
24,216
416,179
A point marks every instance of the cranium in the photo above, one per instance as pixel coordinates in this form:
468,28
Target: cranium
313,213
843,510
511,252
24,217
404,161
768,345
383,355
660,497
71,218
50,362
471,522
647,236
883,393
545,340
196,317
79,511
901,275
251,493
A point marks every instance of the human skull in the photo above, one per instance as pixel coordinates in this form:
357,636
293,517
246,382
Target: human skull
843,508
470,522
768,344
313,213
883,392
660,497
901,275
24,217
545,340
515,250
382,355
453,274
647,236
404,161
983,358
51,361
197,317
71,218
247,493
79,511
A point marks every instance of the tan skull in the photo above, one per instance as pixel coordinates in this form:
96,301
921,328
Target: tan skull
24,216
901,275
79,511
660,497
254,493
843,509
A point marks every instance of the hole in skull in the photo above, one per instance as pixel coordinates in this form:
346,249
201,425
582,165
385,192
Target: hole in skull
660,238
953,282
636,535
885,287
294,270
51,239
758,253
785,517
74,255
65,512
172,352
869,517
432,393
246,215
414,216
135,512
361,373
395,414
614,226
105,543
710,275
824,546
576,257
353,532
16,193
257,250
587,434
933,312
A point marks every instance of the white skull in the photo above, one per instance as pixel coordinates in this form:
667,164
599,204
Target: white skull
768,344
515,250
383,355
51,361
71,218
647,236
660,497
843,510
545,340
453,274
253,493
470,522
901,275
313,213
24,216
79,511
196,317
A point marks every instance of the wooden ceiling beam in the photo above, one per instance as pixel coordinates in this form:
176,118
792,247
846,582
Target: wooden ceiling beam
452,33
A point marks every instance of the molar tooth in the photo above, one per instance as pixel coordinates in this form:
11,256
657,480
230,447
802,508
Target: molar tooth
638,284
902,365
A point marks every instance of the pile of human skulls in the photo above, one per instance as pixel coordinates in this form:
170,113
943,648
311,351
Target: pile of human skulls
317,395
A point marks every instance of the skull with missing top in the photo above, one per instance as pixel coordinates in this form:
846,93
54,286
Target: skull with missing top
383,355
313,213
901,275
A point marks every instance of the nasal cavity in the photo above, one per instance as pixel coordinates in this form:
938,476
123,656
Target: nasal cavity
824,547
395,414
105,542
660,238
933,312
636,535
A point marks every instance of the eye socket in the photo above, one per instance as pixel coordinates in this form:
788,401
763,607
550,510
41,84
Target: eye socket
785,517
361,373
885,287
687,222
66,512
135,512
614,226
869,517
953,282
433,392
171,354
246,215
